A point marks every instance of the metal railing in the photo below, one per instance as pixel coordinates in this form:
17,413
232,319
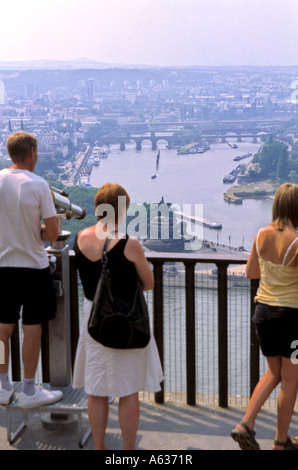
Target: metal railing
190,309
195,290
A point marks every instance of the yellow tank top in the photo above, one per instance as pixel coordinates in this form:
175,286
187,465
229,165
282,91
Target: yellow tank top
279,282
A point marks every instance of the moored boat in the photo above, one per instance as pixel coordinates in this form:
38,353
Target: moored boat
241,157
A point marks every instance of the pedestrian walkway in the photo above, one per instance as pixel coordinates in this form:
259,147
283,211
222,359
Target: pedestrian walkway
162,427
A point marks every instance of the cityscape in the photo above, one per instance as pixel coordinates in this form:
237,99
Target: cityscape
74,113
192,107
67,108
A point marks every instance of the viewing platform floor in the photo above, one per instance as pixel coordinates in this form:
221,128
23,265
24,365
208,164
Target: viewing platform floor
162,427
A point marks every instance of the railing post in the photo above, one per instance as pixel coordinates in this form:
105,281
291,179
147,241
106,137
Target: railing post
158,319
45,354
190,333
222,336
74,305
254,344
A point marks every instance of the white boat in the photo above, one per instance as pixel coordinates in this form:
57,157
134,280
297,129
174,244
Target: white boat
97,161
104,152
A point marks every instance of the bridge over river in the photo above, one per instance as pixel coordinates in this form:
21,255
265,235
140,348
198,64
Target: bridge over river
169,136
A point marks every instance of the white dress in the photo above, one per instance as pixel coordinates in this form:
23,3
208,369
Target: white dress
105,371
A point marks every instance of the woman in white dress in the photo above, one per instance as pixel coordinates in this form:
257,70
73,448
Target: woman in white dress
106,371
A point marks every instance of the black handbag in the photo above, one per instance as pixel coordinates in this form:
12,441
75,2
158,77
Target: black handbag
115,323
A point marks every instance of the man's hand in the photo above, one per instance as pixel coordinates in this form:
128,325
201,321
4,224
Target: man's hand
49,230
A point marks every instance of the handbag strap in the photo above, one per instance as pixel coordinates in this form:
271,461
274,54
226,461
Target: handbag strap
104,259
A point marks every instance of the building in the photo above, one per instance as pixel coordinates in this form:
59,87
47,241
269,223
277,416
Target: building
2,92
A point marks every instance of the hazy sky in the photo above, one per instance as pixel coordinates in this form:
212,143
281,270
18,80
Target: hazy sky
154,32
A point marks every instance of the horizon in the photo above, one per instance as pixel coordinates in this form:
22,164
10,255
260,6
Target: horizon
85,63
152,33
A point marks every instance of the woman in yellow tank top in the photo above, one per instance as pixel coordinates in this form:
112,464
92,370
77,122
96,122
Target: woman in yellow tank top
274,261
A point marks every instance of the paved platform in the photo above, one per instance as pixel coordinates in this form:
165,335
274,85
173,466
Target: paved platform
162,427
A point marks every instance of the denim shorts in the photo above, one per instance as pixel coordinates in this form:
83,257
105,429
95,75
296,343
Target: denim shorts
276,329
32,289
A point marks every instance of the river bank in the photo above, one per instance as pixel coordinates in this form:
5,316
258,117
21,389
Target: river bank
257,189
188,181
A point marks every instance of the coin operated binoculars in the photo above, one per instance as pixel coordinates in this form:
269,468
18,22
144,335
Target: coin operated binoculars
65,209
59,329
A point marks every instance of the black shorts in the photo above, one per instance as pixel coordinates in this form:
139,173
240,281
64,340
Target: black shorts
276,329
32,289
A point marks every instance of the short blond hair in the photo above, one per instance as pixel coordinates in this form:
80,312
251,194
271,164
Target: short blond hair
19,144
285,206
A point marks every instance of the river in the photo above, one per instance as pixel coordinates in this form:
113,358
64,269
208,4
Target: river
196,179
188,179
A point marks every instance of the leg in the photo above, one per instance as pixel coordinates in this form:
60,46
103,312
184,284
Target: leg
263,389
31,349
32,396
6,330
129,414
98,412
286,399
244,433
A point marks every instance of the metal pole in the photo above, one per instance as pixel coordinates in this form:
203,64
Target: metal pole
60,369
74,305
222,336
158,319
254,344
190,334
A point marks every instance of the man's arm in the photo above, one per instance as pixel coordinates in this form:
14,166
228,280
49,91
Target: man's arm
49,230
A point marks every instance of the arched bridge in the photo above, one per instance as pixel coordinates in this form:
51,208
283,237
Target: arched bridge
155,136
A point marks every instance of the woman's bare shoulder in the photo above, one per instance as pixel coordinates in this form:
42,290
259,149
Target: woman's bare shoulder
86,232
133,247
86,237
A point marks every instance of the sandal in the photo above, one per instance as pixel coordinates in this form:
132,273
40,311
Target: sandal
290,444
246,440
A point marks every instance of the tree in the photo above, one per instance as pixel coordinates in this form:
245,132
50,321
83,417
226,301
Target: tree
293,175
273,158
282,169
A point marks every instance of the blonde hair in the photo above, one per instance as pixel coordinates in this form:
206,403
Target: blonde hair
109,194
19,144
285,206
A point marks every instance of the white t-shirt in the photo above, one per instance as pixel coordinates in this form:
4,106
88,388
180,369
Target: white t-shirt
25,199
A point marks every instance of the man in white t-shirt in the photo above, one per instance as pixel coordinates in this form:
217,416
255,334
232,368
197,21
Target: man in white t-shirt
25,278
